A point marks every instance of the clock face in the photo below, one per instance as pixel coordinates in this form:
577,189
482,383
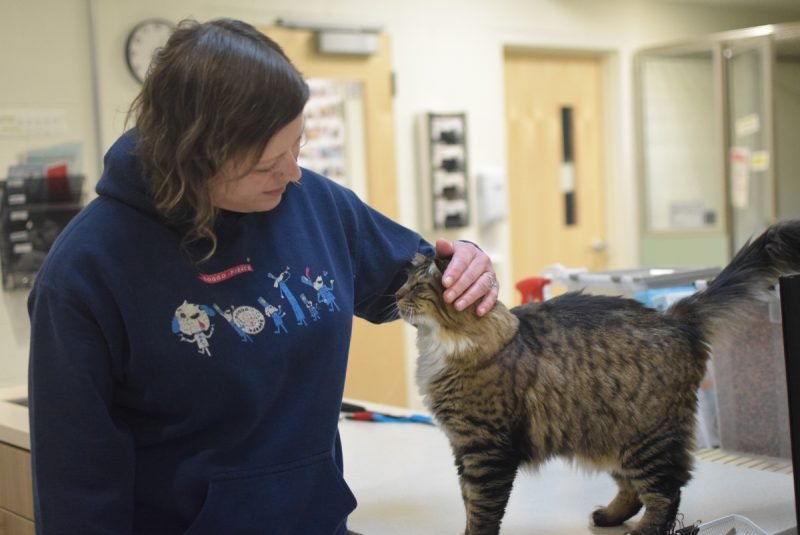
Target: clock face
143,41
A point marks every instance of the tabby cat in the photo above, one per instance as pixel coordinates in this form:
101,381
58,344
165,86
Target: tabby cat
596,379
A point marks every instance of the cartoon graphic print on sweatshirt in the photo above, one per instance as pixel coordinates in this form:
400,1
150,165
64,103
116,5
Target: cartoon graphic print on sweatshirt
245,320
286,293
324,293
274,313
192,323
312,308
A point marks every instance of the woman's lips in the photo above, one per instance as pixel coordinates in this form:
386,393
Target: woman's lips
278,191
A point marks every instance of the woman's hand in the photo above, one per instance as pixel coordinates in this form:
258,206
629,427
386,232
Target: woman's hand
469,277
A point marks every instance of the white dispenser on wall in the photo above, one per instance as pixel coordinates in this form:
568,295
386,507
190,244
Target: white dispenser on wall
492,195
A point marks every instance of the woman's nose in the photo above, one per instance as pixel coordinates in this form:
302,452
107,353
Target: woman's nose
291,170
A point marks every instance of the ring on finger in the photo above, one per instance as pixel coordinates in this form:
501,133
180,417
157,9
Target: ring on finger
492,280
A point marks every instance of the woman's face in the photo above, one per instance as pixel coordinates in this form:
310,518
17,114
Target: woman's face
262,188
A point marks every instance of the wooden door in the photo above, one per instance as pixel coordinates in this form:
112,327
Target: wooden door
376,369
542,232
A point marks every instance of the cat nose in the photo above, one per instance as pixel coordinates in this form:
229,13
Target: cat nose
402,292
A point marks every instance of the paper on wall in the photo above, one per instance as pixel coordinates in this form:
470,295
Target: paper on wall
760,160
740,176
748,125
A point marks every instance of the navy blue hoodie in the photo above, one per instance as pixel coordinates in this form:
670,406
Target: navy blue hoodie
169,396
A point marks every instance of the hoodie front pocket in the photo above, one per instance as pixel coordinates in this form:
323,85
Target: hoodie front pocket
307,497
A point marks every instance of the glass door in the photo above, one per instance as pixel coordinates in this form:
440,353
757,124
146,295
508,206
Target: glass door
751,182
680,128
787,125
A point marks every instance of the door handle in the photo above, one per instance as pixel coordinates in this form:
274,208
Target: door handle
599,246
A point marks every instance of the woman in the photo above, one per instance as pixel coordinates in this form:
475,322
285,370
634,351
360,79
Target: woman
190,327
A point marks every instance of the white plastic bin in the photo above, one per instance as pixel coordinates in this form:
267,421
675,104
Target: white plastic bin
732,524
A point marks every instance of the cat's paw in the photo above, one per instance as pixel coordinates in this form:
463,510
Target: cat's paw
603,518
617,512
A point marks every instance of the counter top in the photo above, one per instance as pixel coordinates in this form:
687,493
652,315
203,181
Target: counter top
405,481
404,478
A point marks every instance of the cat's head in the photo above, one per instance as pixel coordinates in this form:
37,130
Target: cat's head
420,300
444,331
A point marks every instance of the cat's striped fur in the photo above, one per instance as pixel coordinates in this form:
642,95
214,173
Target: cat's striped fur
597,379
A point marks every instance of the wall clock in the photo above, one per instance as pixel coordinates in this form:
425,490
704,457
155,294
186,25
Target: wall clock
145,38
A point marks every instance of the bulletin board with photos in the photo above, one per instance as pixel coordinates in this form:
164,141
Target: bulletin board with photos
334,133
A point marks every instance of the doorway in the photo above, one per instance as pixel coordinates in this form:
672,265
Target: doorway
556,183
376,367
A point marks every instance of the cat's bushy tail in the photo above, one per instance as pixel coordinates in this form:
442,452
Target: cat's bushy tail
746,280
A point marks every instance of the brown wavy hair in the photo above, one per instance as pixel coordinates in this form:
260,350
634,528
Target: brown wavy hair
214,96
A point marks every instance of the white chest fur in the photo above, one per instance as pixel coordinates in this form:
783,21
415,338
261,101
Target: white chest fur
435,352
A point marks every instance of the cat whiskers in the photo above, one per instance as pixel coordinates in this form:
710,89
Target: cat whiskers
391,310
407,312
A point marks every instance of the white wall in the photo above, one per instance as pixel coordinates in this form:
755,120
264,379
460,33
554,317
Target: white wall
44,68
448,55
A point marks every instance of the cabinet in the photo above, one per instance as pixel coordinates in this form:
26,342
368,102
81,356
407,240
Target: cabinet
16,491
11,524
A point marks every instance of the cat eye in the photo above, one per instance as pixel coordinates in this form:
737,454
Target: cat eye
402,292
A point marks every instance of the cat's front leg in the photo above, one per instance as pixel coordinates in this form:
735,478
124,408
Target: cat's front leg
622,507
486,479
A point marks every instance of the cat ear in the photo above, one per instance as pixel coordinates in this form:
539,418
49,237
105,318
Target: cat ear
441,263
419,259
